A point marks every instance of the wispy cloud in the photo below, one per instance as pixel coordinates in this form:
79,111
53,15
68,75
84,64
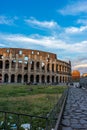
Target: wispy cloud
82,21
80,66
7,20
41,24
48,42
74,8
75,30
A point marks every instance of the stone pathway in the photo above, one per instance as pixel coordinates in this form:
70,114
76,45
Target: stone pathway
75,113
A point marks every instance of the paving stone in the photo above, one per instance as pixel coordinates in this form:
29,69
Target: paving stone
66,122
75,110
82,121
67,128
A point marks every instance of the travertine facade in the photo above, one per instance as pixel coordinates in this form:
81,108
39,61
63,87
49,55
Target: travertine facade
24,65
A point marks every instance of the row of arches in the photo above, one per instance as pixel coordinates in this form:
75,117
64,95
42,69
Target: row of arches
33,65
39,79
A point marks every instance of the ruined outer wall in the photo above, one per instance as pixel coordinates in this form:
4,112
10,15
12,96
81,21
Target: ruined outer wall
25,65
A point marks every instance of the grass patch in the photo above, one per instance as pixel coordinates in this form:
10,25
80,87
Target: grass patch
35,100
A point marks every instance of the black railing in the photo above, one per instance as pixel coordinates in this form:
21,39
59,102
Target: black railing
16,121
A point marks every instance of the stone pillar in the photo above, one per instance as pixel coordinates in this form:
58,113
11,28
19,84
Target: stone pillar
28,77
3,69
15,78
9,71
45,78
22,78
39,78
9,80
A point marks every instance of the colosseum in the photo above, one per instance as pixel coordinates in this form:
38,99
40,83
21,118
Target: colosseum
25,65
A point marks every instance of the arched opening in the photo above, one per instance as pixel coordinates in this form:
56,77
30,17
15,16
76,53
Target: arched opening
43,66
13,64
19,78
57,68
26,65
0,78
43,79
12,78
25,78
37,78
52,67
60,79
48,67
32,65
20,64
6,77
1,64
32,78
38,65
52,79
57,79
6,64
63,79
48,79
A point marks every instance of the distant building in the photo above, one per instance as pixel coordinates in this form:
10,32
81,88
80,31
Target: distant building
84,75
75,75
24,65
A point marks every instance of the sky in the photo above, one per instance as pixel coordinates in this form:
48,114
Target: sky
57,26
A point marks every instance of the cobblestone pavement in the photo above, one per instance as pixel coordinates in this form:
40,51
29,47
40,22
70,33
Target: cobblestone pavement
75,113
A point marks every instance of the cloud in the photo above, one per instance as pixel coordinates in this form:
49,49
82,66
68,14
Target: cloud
82,21
41,24
75,8
4,20
48,42
75,30
80,66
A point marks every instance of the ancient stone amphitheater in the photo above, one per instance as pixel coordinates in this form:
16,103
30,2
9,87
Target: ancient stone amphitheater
24,65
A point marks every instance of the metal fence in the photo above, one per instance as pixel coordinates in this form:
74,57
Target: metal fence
16,121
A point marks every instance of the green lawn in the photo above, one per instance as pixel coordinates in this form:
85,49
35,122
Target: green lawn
34,100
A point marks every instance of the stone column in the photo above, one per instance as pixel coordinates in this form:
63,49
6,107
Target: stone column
15,78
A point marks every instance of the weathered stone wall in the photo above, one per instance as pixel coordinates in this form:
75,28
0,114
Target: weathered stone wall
25,65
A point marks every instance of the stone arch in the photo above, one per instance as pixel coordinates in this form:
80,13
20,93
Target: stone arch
56,79
0,78
63,79
52,67
7,64
20,64
53,79
60,79
1,64
12,78
48,67
32,78
32,65
38,65
37,78
56,67
48,79
43,79
25,78
13,64
19,78
6,78
43,66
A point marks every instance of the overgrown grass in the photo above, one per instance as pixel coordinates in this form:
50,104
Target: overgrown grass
35,100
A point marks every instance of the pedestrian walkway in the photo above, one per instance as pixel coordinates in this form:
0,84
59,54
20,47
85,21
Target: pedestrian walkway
75,113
